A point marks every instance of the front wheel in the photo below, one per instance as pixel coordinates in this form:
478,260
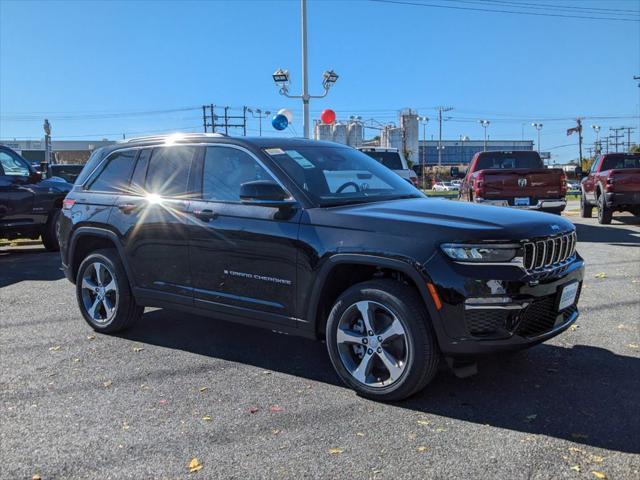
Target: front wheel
103,293
604,213
381,341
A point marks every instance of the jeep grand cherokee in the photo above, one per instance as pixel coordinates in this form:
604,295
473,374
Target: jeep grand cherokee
319,240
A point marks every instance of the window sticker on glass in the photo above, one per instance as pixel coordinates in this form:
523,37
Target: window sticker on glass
300,160
274,151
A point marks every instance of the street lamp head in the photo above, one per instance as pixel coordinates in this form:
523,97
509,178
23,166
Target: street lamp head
484,123
281,77
423,119
596,127
329,78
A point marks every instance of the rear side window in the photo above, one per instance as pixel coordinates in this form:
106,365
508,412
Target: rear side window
140,172
91,164
13,165
612,162
390,160
114,176
168,172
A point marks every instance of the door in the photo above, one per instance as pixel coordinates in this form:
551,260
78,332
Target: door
151,219
243,257
16,191
589,182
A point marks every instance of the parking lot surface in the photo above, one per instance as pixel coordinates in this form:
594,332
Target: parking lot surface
249,403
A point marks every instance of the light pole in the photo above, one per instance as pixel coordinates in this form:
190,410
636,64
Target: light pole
596,129
281,77
424,121
538,127
485,125
259,116
463,138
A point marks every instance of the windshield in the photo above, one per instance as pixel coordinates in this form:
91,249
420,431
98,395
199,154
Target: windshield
508,160
340,175
390,160
611,162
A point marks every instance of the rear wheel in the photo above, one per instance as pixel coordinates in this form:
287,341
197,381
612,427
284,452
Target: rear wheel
103,293
50,233
585,209
381,341
604,213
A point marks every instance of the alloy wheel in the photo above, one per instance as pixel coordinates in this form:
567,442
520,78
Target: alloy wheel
99,293
372,344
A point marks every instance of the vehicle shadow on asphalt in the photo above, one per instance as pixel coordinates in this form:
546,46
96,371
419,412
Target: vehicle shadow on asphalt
583,394
608,234
28,263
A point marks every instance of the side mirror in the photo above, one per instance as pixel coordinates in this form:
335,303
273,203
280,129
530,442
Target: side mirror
264,193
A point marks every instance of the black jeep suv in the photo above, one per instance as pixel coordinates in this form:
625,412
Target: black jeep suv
29,206
314,239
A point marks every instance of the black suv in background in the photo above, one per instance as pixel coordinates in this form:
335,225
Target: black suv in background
319,240
29,206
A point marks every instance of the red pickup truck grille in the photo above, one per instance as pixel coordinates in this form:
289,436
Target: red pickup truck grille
549,252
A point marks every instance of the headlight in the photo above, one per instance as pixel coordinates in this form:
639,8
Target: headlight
480,253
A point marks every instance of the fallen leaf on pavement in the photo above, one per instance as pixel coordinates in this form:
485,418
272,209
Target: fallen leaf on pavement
54,349
91,337
573,327
275,431
36,477
598,474
421,448
576,468
162,402
253,409
276,408
359,434
601,275
194,465
76,359
138,349
206,418
335,451
633,345
439,430
575,449
204,389
596,458
424,422
108,383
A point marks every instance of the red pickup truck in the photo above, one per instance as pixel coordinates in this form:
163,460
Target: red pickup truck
514,179
612,184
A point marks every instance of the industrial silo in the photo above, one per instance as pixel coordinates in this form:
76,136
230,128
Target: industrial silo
340,133
355,134
323,131
410,127
394,138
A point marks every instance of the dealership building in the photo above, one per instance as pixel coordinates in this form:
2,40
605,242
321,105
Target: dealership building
456,152
64,151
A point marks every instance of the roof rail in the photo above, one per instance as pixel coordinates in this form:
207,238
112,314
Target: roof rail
176,134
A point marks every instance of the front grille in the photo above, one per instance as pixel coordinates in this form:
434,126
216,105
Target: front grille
550,252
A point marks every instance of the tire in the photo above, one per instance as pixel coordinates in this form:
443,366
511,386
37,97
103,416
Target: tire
50,232
586,210
103,293
413,355
604,213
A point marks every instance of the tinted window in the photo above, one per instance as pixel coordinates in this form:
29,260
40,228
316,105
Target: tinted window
140,172
225,169
620,161
91,164
13,165
114,176
508,160
68,173
390,160
168,172
336,175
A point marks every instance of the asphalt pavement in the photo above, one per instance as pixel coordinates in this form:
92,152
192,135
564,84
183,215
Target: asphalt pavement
248,403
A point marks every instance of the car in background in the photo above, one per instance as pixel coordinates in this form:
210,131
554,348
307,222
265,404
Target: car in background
612,185
393,159
67,172
456,183
444,187
515,179
29,206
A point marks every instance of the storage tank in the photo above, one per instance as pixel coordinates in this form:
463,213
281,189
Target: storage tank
323,131
340,133
410,126
355,134
394,138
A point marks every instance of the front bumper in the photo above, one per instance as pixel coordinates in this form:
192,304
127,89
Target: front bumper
614,199
488,309
558,204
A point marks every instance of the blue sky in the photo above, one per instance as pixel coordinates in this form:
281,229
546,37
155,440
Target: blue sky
74,61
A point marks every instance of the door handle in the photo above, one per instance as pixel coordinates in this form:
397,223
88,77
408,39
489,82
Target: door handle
205,215
127,207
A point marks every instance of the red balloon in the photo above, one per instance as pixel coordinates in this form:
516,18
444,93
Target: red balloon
328,116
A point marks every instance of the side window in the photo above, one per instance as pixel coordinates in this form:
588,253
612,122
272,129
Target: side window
168,171
225,169
13,165
140,172
114,176
594,166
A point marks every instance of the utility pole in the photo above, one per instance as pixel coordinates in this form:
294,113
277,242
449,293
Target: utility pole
424,121
637,77
616,136
440,147
204,118
258,113
485,125
629,130
579,122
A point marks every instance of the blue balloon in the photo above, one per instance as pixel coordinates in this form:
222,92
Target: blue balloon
279,122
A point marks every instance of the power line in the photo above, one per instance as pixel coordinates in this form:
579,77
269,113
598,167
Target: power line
513,12
93,116
547,7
